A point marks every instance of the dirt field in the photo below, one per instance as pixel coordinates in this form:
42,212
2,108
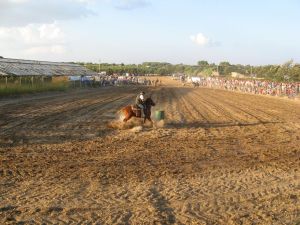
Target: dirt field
220,158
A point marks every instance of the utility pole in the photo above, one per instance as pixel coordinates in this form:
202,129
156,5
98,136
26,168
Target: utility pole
99,65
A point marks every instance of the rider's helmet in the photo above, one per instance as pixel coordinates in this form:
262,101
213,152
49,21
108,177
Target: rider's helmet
142,95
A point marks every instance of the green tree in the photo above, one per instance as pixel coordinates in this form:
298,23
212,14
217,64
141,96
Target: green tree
207,72
203,63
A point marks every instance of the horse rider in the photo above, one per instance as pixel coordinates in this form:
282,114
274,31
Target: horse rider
140,101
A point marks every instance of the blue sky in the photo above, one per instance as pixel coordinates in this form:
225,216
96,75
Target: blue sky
133,31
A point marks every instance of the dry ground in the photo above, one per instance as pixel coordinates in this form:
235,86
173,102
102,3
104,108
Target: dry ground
220,158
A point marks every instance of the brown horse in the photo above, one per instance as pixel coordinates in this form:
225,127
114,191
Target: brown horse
128,111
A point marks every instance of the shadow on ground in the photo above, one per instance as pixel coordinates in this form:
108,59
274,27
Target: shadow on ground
216,125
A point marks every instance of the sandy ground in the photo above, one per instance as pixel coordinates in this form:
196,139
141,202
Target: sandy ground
219,158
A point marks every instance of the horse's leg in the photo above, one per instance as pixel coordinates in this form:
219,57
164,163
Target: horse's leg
147,114
143,119
149,118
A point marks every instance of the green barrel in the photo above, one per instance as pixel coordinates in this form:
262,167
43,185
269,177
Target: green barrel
159,115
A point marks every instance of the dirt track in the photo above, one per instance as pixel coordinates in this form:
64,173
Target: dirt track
221,158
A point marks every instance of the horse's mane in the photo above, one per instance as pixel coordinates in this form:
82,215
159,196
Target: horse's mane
148,99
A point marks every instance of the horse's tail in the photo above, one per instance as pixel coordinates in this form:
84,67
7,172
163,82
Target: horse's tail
119,114
124,112
120,111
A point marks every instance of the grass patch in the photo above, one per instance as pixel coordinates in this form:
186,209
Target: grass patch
16,89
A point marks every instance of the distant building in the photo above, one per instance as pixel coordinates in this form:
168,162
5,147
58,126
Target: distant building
19,67
103,73
237,75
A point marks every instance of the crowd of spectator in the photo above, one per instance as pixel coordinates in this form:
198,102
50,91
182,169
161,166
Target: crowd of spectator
112,80
289,89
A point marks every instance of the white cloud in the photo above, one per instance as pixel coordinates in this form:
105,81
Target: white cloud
200,39
51,32
34,38
33,34
53,49
23,12
29,27
83,1
16,1
130,4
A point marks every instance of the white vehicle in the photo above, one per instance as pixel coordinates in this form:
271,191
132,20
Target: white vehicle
195,79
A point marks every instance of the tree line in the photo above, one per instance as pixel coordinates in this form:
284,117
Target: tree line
288,71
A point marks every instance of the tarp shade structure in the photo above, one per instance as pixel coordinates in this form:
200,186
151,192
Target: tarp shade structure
2,73
18,67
